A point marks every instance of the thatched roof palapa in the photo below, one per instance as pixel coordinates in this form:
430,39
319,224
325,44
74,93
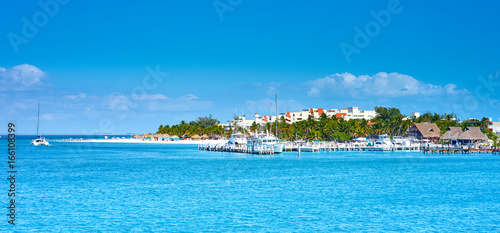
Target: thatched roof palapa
452,134
473,134
196,137
428,130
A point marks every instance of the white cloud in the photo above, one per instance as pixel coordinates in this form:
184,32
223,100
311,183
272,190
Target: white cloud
118,101
154,102
74,97
149,97
21,77
267,106
379,85
189,97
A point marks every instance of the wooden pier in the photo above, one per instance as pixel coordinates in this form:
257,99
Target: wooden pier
235,149
460,151
327,147
336,148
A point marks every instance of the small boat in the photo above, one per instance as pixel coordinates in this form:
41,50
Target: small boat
40,141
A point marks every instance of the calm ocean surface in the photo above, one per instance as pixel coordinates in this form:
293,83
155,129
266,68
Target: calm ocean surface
105,187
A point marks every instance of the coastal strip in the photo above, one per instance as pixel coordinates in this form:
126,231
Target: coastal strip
140,141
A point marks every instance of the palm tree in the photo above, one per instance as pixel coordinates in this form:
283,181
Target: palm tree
254,127
484,123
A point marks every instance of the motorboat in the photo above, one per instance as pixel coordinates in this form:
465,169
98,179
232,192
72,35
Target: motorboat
383,143
265,143
405,144
237,140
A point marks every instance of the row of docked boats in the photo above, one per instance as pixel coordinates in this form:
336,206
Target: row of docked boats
382,143
385,143
264,143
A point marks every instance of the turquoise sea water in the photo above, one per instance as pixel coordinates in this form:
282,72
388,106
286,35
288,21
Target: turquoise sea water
72,187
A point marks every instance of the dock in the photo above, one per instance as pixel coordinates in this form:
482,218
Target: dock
335,147
460,150
236,149
341,147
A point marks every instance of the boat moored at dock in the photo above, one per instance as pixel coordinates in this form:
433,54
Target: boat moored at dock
260,144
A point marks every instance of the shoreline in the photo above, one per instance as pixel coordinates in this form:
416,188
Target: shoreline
138,141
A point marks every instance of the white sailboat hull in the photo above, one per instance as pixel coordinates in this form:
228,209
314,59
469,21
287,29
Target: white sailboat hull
39,142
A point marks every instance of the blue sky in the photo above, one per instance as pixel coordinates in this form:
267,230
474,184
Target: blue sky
87,62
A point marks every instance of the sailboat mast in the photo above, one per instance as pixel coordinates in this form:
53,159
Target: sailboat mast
38,122
277,116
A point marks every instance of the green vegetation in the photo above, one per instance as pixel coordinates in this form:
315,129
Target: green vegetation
388,121
203,125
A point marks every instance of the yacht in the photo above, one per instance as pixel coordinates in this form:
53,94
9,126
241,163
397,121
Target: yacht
40,141
261,143
238,140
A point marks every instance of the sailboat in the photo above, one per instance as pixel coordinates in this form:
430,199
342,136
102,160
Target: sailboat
40,141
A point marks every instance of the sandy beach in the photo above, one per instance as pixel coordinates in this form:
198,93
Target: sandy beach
131,140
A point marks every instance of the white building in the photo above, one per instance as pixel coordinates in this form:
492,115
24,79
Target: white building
414,114
305,114
495,127
315,113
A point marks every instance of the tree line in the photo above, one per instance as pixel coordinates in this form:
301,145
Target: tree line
388,121
201,126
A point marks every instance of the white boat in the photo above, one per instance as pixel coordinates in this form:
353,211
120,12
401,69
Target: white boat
265,143
237,140
382,144
400,142
40,141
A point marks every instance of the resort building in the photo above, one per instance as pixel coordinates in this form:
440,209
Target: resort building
414,114
495,127
315,114
471,135
245,123
452,135
305,114
428,131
